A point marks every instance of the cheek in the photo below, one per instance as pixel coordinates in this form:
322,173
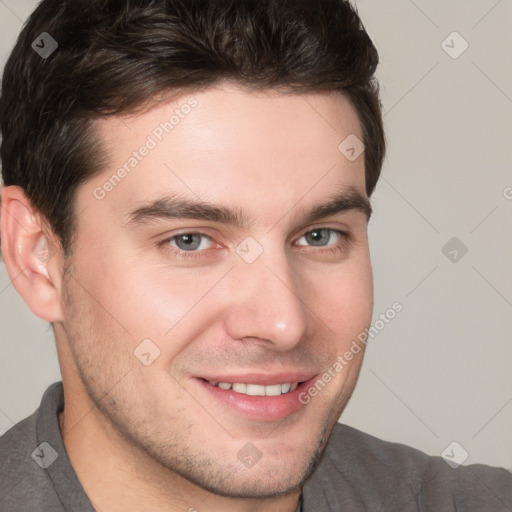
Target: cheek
151,300
344,301
145,298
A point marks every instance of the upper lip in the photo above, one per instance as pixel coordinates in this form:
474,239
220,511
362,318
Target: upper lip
265,379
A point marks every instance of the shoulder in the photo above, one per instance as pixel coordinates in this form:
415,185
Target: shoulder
373,474
22,480
15,453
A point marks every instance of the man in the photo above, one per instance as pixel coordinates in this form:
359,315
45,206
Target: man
186,197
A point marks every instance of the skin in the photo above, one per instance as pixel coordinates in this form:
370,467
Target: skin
150,437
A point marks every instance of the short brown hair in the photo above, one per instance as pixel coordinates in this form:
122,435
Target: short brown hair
113,56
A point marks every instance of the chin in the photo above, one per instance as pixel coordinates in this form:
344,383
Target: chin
251,484
271,476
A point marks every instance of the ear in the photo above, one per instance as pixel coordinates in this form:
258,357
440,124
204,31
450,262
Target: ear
32,254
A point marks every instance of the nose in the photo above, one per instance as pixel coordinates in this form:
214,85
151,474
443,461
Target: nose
266,302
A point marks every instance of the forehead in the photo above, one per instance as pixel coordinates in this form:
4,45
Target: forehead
229,144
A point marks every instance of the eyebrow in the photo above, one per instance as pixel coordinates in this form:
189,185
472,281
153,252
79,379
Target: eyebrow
178,207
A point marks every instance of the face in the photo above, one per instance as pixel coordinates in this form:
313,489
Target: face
197,322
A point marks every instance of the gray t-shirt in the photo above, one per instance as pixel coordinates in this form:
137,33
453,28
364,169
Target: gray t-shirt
357,473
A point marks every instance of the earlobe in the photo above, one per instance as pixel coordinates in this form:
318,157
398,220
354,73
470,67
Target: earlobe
30,255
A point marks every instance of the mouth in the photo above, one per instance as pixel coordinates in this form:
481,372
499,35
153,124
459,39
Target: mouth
256,397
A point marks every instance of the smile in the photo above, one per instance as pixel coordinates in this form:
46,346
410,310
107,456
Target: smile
257,396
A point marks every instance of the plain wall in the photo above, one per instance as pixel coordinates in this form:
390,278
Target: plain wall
440,371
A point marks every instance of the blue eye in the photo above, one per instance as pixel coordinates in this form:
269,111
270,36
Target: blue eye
190,241
194,245
321,237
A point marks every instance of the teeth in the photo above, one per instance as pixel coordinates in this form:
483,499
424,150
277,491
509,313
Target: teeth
257,389
285,388
274,390
239,388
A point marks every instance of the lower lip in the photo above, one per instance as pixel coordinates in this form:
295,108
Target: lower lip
260,408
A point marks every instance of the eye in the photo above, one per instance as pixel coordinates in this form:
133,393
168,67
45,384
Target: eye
195,245
321,237
190,242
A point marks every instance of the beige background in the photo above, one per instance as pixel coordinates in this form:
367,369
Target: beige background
441,370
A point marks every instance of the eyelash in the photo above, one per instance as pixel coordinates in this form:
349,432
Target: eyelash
343,243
